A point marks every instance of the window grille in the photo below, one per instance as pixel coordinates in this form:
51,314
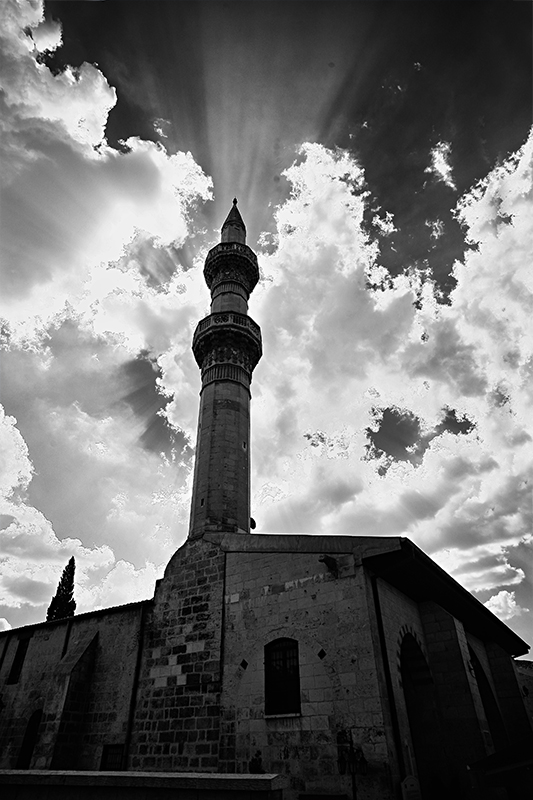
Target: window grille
282,677
112,755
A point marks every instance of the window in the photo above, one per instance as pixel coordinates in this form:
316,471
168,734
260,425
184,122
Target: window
112,755
18,661
282,677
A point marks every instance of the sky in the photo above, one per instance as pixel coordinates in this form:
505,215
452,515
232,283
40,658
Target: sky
382,156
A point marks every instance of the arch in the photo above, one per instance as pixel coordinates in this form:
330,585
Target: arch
29,741
404,630
490,705
424,720
282,677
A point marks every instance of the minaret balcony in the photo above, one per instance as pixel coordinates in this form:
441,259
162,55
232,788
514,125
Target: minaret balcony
229,318
227,338
231,261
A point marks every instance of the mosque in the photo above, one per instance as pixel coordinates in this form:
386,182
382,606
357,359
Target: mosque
293,667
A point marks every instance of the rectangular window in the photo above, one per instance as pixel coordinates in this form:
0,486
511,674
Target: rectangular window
18,661
112,756
282,677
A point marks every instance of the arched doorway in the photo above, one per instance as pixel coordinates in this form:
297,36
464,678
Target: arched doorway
30,740
424,721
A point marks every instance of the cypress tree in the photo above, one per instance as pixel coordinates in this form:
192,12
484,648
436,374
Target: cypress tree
63,603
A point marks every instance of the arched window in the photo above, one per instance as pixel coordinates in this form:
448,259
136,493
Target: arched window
282,677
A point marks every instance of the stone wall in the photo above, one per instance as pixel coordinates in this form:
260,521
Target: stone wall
178,701
296,595
84,666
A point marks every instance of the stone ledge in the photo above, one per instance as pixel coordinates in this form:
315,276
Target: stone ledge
363,546
156,780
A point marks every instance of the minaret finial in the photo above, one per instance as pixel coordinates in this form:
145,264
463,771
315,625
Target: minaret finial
234,229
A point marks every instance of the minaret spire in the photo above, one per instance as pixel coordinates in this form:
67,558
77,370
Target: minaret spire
227,347
234,229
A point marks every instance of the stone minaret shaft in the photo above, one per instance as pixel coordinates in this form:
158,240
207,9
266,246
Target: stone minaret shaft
227,346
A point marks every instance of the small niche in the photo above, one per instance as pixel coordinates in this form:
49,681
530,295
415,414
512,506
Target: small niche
244,445
321,654
202,501
244,663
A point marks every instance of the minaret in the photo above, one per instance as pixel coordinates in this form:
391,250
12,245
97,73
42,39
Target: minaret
227,346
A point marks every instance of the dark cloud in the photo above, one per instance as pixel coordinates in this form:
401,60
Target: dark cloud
399,435
390,111
454,424
34,592
75,366
141,375
158,263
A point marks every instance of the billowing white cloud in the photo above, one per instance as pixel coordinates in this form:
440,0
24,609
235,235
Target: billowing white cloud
122,584
77,101
15,466
335,350
504,605
71,204
47,36
32,554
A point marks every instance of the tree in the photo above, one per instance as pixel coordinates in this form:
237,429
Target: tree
63,603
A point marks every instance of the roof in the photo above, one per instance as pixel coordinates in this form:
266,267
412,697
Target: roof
98,612
419,577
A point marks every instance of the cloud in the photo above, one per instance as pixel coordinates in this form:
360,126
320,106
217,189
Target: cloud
122,584
343,337
504,605
440,164
47,35
77,101
33,556
385,225
15,466
27,589
71,204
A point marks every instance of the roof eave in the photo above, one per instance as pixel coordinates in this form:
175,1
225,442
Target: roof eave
419,577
